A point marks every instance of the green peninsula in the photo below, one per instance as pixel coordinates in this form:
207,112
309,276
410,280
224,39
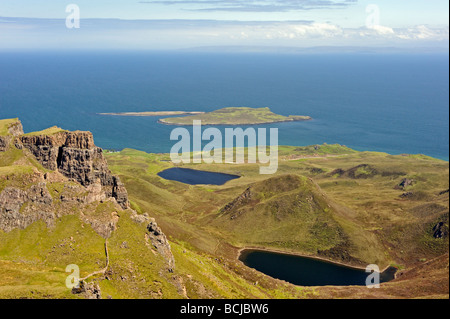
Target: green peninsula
235,116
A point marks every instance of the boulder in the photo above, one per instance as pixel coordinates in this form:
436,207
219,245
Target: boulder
440,230
406,182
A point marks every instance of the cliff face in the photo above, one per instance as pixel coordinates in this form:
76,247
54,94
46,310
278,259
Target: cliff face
18,215
79,177
75,156
4,142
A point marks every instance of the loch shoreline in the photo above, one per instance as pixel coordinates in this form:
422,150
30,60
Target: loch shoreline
242,250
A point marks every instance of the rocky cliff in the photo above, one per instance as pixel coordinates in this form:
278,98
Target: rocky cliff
75,156
14,214
75,175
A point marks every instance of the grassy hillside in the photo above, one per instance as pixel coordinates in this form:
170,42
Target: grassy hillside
325,200
49,131
286,211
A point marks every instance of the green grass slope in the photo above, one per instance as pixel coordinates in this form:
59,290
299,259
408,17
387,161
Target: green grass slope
325,200
234,116
286,211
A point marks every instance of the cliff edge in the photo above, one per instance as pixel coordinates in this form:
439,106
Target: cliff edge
75,156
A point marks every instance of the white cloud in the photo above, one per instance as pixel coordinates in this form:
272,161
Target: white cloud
382,29
172,34
253,6
289,31
422,32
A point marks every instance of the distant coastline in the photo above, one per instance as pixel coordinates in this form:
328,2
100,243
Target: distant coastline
156,113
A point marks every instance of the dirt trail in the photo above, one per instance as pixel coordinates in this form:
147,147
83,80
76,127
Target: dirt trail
102,271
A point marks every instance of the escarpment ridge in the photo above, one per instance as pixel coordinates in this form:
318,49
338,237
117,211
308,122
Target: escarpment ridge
74,155
61,205
72,173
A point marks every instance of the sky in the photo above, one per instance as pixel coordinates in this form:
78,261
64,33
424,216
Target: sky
178,24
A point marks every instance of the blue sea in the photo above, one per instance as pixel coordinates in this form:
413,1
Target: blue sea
394,103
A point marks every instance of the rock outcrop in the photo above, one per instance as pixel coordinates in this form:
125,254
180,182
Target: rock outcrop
161,244
103,225
79,168
14,129
361,171
440,230
38,201
406,182
76,157
233,207
88,290
242,199
4,143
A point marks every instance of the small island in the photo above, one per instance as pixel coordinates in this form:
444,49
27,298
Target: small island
235,116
